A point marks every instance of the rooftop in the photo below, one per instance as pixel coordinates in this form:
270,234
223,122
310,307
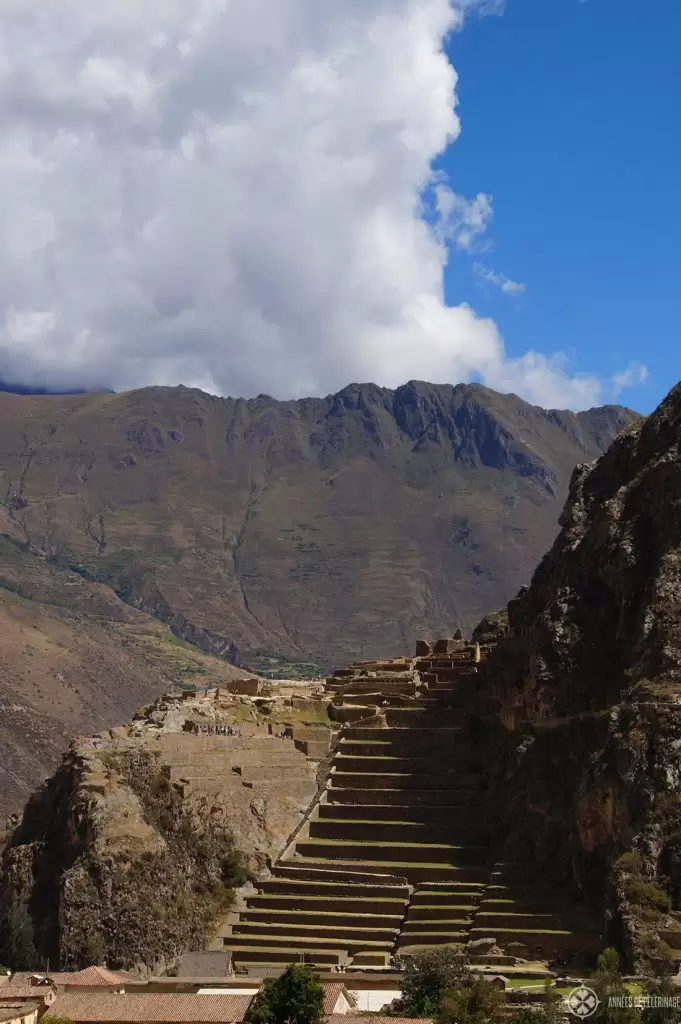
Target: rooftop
140,1008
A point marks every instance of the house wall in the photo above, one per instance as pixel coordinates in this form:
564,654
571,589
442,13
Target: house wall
374,999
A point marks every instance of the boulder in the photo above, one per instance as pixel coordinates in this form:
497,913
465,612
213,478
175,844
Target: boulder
481,945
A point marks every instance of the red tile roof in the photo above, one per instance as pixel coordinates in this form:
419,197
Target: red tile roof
331,994
11,992
89,976
92,976
142,1007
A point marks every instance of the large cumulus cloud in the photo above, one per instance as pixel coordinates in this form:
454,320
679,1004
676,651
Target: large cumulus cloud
229,194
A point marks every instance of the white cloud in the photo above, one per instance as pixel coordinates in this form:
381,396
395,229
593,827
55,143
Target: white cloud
230,195
461,220
507,286
634,374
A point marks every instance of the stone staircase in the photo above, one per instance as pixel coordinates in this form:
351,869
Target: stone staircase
532,920
394,857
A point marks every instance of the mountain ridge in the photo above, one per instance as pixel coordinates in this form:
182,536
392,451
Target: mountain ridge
237,513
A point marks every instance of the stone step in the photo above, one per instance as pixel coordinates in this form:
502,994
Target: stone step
434,938
361,960
513,873
569,920
304,888
445,924
386,687
337,874
412,872
424,813
337,918
268,940
357,733
526,899
435,754
295,953
358,797
454,783
358,699
545,941
329,934
373,831
339,712
330,904
446,913
410,852
419,717
460,902
380,765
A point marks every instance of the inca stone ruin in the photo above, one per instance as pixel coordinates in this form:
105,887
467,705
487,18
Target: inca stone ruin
397,851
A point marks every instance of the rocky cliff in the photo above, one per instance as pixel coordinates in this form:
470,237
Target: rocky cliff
588,680
130,852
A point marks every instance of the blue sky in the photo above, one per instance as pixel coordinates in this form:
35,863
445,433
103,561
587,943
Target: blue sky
571,121
227,196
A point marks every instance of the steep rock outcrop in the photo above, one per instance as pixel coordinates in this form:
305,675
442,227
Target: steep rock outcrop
589,680
110,866
129,853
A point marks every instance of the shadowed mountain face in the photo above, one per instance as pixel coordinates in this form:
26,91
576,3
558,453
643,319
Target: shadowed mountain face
319,530
591,665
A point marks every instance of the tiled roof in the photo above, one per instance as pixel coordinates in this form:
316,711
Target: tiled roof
90,976
331,994
23,978
8,1011
37,992
139,1008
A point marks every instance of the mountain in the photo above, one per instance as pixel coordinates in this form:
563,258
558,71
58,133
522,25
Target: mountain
588,682
74,659
310,532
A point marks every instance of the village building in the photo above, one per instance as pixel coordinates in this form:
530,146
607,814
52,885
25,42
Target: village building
18,1012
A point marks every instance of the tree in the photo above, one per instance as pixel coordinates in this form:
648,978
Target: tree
476,1002
670,1014
610,988
427,976
547,1013
523,1015
17,945
295,997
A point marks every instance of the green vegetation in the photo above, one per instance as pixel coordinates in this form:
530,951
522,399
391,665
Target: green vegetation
14,588
608,984
477,1002
274,666
427,977
296,997
17,939
647,900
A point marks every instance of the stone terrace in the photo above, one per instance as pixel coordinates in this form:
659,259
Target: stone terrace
394,856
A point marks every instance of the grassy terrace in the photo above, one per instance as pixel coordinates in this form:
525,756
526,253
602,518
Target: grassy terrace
379,865
338,843
275,912
296,897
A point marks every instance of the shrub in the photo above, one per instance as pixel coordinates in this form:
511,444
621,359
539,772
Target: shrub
427,976
474,1003
296,997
